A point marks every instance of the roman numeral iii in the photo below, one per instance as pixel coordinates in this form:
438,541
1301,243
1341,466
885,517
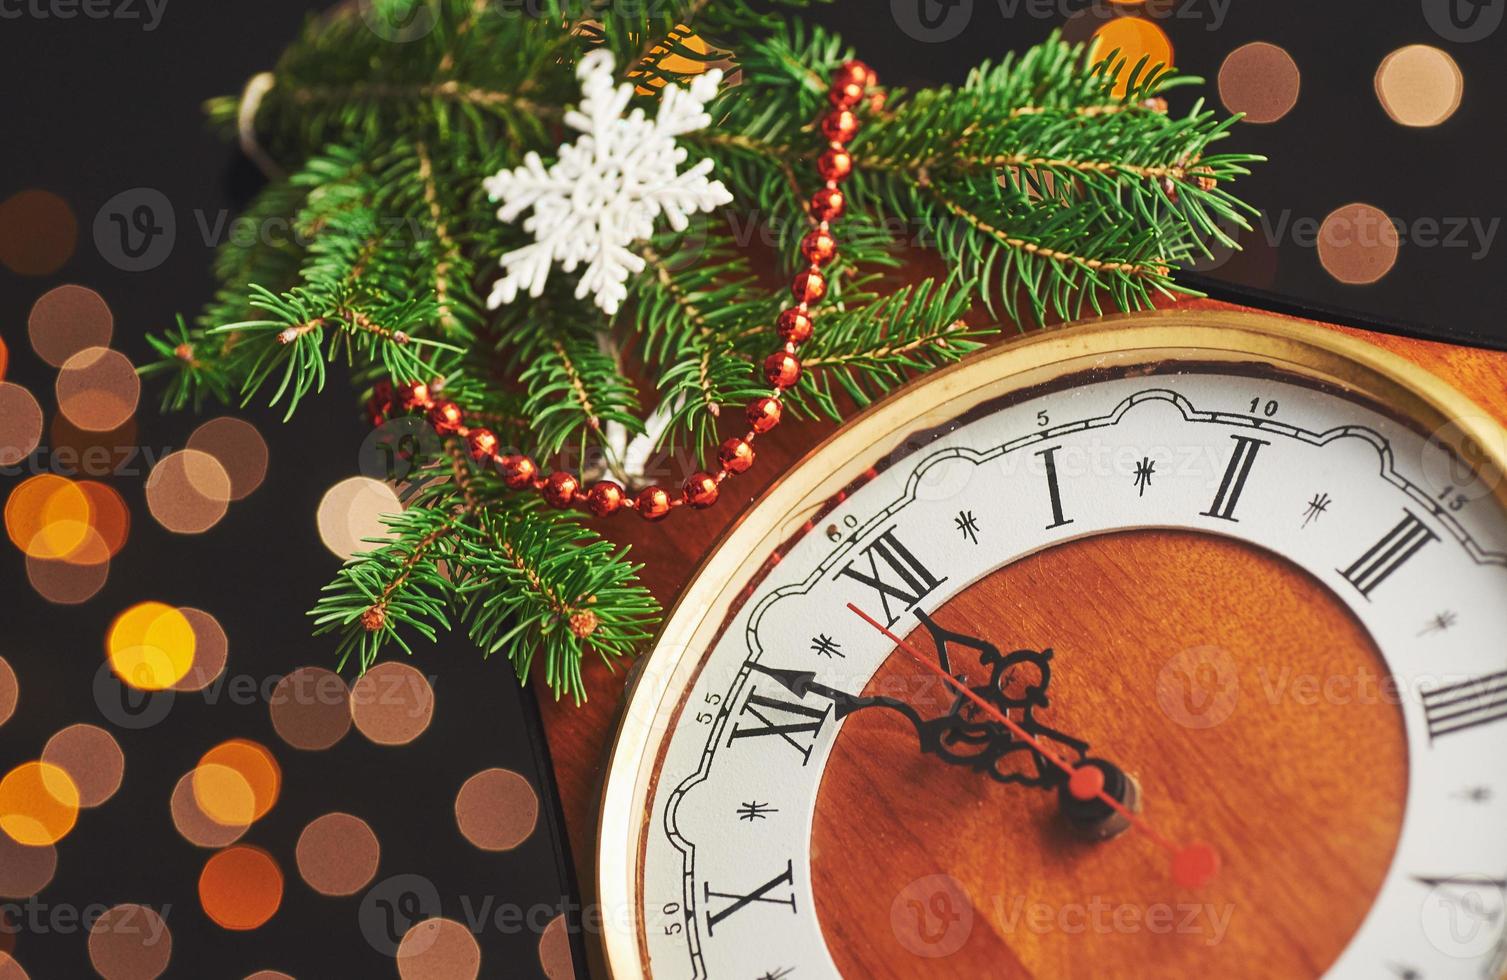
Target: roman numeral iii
1387,555
1465,705
894,573
1236,472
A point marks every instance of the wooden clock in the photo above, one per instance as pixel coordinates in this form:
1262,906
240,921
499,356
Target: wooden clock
1163,645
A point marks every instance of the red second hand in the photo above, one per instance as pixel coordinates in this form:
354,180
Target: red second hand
1193,865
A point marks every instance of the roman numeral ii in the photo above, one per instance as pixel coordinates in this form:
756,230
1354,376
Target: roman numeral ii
1236,473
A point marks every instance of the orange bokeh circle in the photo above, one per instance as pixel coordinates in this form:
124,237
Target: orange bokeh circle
241,888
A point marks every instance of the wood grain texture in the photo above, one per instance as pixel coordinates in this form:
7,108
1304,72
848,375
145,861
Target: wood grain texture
579,736
1244,698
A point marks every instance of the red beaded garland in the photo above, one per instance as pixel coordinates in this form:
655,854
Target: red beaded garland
481,443
782,369
735,455
840,126
519,472
560,489
446,417
835,164
827,204
763,414
793,326
700,490
653,503
809,286
605,498
819,247
852,86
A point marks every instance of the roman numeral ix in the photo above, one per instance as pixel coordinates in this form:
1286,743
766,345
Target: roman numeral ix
1388,554
1236,472
1465,705
741,901
908,581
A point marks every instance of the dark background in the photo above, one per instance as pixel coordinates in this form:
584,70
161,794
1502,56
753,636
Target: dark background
97,107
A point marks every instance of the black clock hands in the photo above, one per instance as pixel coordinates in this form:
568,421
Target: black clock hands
964,735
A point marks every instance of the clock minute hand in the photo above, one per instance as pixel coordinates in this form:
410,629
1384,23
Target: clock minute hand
1193,864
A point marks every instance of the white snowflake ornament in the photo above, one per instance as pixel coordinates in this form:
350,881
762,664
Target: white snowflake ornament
607,188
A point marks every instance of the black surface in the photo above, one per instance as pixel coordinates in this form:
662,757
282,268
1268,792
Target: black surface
94,108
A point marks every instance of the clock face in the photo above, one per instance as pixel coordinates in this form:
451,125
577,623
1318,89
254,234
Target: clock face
1148,650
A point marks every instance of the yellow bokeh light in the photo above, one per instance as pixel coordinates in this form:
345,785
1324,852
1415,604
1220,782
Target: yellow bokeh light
1134,38
221,797
151,646
48,517
224,795
39,804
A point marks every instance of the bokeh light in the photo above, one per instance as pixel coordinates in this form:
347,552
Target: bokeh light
39,804
92,759
350,514
222,797
211,650
10,691
20,424
1358,244
9,968
109,517
24,871
196,826
239,448
1419,85
130,942
86,453
188,491
1134,38
338,854
66,320
496,809
311,708
554,950
38,233
98,389
241,888
151,646
1260,80
65,582
47,516
439,949
392,704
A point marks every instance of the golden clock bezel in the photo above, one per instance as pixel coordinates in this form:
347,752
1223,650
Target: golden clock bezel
1116,343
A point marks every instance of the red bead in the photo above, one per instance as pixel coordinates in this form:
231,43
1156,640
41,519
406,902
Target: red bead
735,455
560,489
446,417
793,326
876,101
653,503
809,286
854,72
481,443
782,369
701,490
834,164
819,247
763,414
519,472
845,96
827,204
605,498
412,395
840,126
